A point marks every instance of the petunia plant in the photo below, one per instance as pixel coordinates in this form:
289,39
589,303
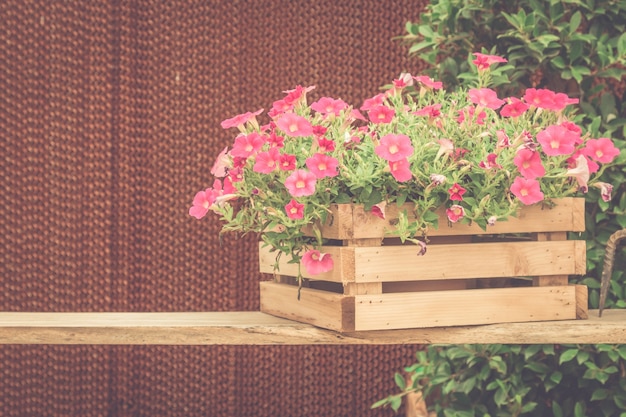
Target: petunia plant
477,155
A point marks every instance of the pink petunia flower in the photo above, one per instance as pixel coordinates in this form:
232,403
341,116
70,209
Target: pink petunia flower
429,111
557,140
381,114
297,94
446,148
580,172
541,98
301,183
485,97
294,210
514,107
294,125
468,112
203,200
455,213
404,80
287,162
561,101
503,139
528,163
605,190
527,190
428,82
401,170
267,162
325,145
246,145
322,165
601,150
316,263
456,192
394,147
490,162
574,128
328,105
240,120
483,61
280,107
221,165
378,210
375,101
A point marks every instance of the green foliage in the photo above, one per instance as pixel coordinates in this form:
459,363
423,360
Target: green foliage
503,380
573,46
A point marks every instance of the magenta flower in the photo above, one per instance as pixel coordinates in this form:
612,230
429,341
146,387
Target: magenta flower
456,192
298,93
267,162
241,119
514,107
325,145
378,210
246,145
605,190
294,210
301,183
316,263
455,213
394,147
601,150
381,114
483,61
557,140
287,162
428,82
294,125
529,164
527,190
221,165
490,162
401,170
485,97
327,105
322,165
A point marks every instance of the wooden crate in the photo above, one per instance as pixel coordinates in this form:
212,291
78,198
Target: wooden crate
516,271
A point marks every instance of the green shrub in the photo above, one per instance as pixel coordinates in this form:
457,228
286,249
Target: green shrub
503,380
572,46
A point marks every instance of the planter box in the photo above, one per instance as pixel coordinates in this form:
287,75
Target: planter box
516,271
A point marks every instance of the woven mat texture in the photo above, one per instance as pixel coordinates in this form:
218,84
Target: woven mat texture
109,123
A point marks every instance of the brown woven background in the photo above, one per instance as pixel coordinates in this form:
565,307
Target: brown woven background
109,123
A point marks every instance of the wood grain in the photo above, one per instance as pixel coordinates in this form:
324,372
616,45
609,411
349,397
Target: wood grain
256,328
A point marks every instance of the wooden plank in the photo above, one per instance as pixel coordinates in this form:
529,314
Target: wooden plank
445,261
320,308
447,308
476,260
567,215
256,328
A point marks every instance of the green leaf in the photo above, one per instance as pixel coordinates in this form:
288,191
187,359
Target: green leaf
621,45
600,394
568,355
400,381
556,409
426,31
579,410
574,22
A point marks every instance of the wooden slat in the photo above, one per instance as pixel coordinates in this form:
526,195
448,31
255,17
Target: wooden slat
256,328
567,215
321,308
446,308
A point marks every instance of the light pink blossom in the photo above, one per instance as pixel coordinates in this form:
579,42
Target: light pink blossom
322,165
240,120
294,125
301,183
557,140
381,114
601,150
485,97
529,164
428,82
401,170
247,145
483,61
527,190
394,147
267,162
316,263
328,105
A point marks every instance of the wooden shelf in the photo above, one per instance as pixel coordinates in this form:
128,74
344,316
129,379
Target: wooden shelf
256,328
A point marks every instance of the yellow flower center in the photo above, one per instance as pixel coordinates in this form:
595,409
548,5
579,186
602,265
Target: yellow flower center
300,184
393,149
